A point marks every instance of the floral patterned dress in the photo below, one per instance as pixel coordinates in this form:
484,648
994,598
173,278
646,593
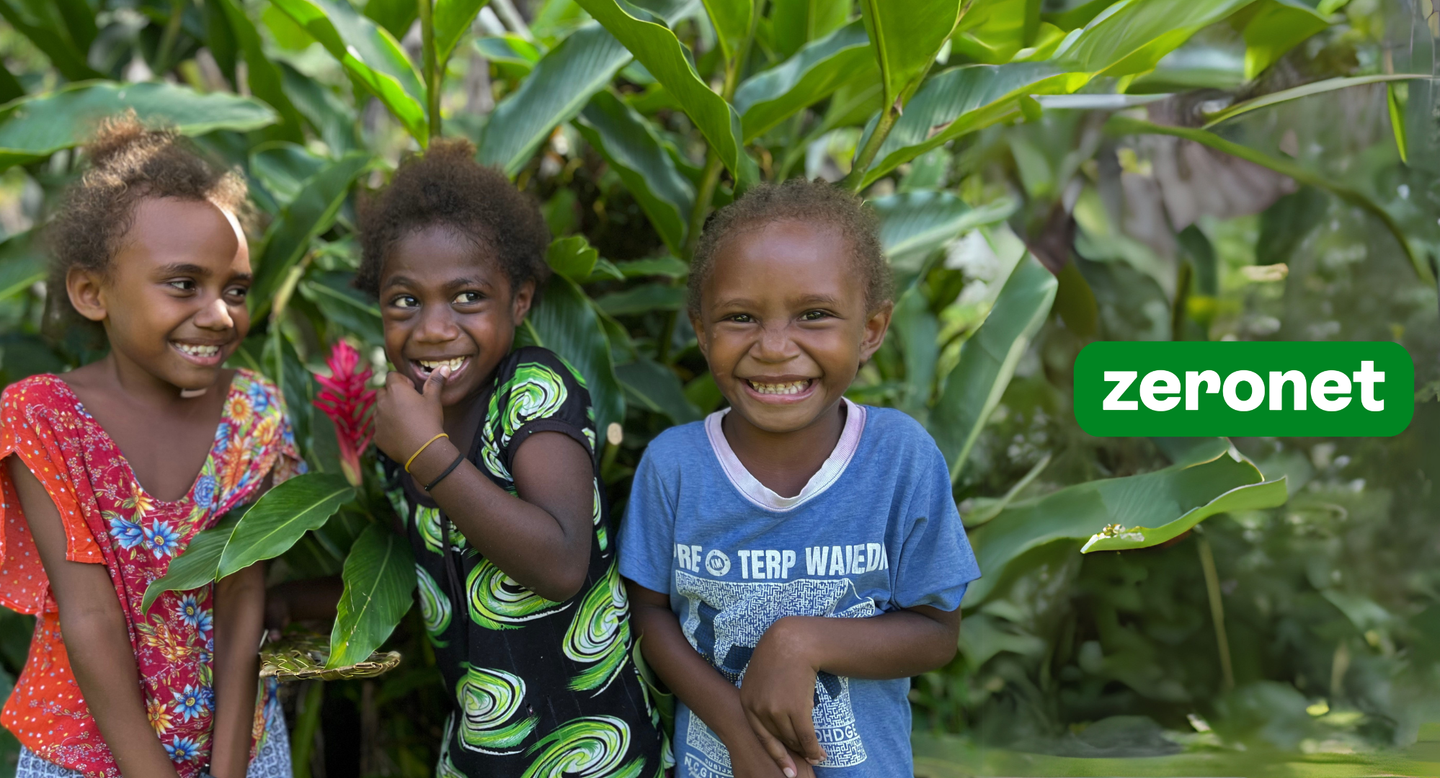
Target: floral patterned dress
109,519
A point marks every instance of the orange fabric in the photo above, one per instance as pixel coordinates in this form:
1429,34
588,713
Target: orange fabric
109,519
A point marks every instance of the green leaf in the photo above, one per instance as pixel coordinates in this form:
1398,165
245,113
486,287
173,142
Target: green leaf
666,266
565,323
369,54
988,360
343,304
1133,35
510,49
263,76
983,509
632,147
10,87
333,119
731,19
1123,125
307,216
280,363
42,24
657,48
1287,222
812,75
797,22
585,63
1295,93
914,224
283,168
643,299
273,524
197,565
1165,498
1274,27
963,100
1395,105
917,333
452,20
1267,494
379,578
396,16
657,388
993,31
572,257
37,126
907,36
21,264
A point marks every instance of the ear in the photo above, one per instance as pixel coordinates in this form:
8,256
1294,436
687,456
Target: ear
875,328
521,301
87,293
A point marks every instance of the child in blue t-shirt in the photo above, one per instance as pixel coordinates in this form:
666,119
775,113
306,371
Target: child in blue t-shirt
799,546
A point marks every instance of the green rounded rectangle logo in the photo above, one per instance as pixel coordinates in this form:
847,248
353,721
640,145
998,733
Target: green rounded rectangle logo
1227,388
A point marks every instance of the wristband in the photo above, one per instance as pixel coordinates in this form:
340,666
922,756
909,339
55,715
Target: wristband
448,471
411,460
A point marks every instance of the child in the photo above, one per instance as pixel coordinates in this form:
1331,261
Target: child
498,483
148,247
797,545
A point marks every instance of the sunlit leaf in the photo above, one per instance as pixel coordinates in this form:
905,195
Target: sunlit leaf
732,23
813,74
1304,90
572,257
1273,27
379,578
906,38
452,20
1268,494
273,524
37,126
1133,35
197,565
913,224
993,31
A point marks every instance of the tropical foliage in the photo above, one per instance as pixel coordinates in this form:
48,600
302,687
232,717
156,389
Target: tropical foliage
1045,173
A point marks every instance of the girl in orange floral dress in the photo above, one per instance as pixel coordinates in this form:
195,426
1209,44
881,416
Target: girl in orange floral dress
118,464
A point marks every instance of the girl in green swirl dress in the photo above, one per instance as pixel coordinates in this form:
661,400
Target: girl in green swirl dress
492,461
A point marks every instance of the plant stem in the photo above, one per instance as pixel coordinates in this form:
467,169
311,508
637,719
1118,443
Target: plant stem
1182,297
307,721
1217,611
433,74
856,180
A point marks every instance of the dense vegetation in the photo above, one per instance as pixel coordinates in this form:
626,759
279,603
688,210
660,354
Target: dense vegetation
1046,173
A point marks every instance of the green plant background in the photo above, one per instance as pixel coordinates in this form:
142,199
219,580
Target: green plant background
1047,173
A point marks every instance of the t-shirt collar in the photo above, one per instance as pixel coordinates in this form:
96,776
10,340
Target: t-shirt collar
760,494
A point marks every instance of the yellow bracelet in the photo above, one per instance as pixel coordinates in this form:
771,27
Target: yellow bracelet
422,448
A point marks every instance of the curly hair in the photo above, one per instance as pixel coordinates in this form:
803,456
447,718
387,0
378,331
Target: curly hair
800,200
446,187
126,163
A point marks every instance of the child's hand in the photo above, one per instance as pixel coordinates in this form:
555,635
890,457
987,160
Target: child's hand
405,418
778,694
749,759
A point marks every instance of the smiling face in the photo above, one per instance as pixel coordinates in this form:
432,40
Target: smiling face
173,299
783,323
446,302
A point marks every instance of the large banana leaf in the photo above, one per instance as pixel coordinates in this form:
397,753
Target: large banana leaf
993,31
37,126
452,20
308,215
369,54
1172,496
261,73
732,23
585,63
906,37
273,524
632,146
797,22
1133,35
914,224
963,100
1268,494
1274,27
807,78
565,323
379,578
988,360
657,48
196,566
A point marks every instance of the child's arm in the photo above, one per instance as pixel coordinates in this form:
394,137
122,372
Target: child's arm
96,638
541,539
779,684
239,613
703,689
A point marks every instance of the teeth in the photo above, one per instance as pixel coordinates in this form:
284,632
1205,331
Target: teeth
432,365
794,387
198,351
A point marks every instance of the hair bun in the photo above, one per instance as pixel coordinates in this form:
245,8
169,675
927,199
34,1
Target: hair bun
120,136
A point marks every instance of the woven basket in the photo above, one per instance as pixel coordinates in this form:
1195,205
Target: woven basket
302,657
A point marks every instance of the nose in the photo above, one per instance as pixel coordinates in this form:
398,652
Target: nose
436,325
215,316
775,344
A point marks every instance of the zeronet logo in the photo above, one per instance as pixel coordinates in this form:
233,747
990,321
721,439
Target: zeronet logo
1168,389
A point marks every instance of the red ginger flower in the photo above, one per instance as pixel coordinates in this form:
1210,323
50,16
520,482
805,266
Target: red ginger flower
347,401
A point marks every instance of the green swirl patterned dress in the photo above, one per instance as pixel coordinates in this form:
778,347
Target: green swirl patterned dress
540,689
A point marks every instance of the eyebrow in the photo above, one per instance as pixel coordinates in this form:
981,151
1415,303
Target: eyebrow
399,280
184,268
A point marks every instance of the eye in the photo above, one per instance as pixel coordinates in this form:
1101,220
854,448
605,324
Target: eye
181,284
740,318
237,293
814,316
469,298
405,301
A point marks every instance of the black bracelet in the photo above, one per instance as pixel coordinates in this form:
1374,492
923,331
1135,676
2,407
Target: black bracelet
458,459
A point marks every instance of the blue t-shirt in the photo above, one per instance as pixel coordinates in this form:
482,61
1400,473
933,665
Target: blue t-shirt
874,531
